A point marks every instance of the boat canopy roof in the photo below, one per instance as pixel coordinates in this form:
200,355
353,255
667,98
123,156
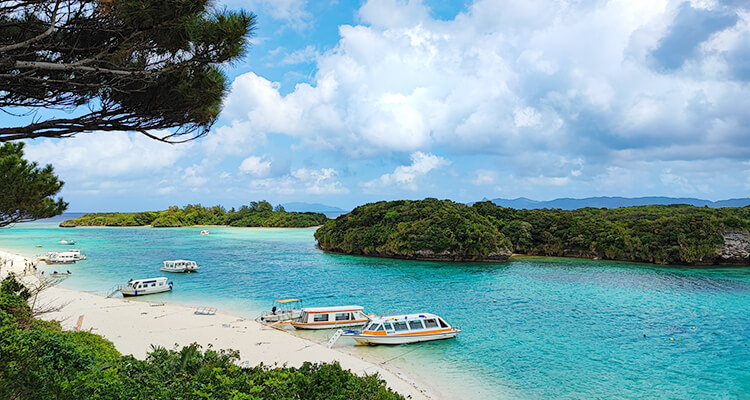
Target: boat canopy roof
404,317
284,301
149,280
331,309
179,261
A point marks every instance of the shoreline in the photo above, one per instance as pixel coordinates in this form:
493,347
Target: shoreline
134,326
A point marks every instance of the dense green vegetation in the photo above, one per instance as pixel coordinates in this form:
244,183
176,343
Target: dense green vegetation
26,190
40,361
676,234
430,229
257,214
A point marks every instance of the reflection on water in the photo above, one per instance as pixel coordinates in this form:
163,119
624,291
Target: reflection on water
534,328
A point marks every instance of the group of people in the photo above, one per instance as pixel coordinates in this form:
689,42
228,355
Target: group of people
28,266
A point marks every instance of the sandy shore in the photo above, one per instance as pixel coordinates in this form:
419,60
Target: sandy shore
134,326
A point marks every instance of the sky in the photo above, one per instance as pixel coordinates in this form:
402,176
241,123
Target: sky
349,102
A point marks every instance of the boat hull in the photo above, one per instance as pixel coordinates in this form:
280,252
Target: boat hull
60,261
179,270
401,339
142,292
329,325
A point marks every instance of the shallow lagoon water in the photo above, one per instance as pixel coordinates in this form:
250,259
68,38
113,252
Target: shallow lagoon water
533,328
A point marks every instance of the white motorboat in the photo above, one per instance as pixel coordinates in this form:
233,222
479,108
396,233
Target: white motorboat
330,317
180,266
63,257
139,287
401,329
283,310
67,242
204,232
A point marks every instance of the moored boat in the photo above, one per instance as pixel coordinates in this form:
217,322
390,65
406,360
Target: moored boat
67,242
180,266
204,232
330,317
283,310
139,287
401,329
63,257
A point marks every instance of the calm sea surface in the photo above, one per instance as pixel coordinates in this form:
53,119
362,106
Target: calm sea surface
535,328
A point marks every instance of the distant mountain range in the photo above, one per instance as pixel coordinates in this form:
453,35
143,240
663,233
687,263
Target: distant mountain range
615,202
311,207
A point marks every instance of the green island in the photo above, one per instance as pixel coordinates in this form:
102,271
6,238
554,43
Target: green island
38,360
434,229
257,214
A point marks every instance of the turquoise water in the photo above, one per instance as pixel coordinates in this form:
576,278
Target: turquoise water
534,328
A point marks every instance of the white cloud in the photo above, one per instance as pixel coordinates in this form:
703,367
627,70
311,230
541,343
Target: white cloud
484,177
89,156
302,181
502,77
407,176
256,166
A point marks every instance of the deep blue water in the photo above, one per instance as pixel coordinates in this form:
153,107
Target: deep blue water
534,328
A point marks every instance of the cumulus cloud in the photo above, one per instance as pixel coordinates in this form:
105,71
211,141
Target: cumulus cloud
256,166
407,176
302,181
504,77
123,155
484,177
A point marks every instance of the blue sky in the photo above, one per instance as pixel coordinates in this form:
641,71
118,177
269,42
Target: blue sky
347,102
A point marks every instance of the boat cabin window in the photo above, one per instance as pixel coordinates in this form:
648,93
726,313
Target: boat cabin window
430,323
320,317
342,317
153,285
400,326
388,326
415,325
443,324
379,328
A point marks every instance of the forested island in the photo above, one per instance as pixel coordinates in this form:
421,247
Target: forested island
257,214
434,229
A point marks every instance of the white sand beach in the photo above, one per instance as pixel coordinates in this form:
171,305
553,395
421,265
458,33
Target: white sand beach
134,326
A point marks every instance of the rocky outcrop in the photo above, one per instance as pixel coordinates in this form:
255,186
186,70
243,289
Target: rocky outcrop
736,248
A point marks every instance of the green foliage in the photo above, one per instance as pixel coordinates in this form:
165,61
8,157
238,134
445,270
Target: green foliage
426,229
675,234
40,361
138,65
26,190
257,214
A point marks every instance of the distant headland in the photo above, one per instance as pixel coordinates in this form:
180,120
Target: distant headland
257,214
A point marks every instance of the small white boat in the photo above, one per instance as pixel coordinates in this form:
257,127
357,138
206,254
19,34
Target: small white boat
401,329
139,287
180,266
283,310
330,317
67,242
204,232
